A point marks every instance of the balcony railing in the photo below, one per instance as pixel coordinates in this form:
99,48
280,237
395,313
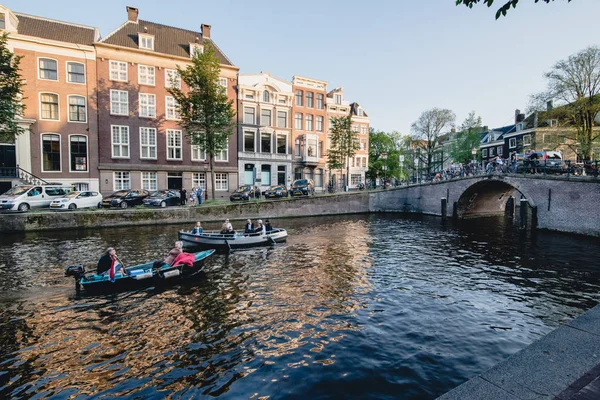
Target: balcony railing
19,173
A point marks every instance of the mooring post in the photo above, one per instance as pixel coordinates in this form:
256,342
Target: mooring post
523,206
455,210
444,207
510,207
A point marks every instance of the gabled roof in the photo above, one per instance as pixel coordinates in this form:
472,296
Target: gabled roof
56,30
500,132
354,110
167,39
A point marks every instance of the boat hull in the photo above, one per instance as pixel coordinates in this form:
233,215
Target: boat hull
216,240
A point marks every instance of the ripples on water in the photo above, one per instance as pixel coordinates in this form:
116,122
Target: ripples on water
350,307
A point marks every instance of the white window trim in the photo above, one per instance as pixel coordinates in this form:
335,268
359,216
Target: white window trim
42,151
192,148
112,147
277,111
67,72
115,179
140,105
529,138
224,82
512,143
87,152
266,109
195,47
40,103
155,143
500,150
270,143
168,82
110,101
148,67
484,152
180,141
176,116
148,180
69,110
110,70
227,150
39,70
145,36
287,139
253,131
226,181
244,115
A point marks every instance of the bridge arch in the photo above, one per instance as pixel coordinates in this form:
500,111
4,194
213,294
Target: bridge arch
491,196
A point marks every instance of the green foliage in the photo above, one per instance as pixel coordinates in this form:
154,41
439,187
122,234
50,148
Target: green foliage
502,10
467,138
427,132
207,114
344,143
11,91
385,149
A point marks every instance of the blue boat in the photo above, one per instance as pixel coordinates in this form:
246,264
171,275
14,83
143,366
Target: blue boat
137,276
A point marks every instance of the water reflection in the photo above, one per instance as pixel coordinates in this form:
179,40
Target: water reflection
353,307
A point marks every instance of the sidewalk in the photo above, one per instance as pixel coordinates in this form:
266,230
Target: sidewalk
563,365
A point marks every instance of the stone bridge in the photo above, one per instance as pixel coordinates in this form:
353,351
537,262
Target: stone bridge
555,203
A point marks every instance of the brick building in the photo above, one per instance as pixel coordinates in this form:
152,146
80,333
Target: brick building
359,164
141,142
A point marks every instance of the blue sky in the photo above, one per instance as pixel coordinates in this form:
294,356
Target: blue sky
396,58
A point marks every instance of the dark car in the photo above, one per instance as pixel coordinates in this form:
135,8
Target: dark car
125,198
541,161
275,192
245,192
163,198
302,187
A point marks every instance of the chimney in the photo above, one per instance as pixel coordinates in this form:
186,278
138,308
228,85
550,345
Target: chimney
485,128
517,112
549,105
132,13
205,31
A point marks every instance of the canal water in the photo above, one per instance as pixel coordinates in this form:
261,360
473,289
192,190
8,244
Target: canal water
353,307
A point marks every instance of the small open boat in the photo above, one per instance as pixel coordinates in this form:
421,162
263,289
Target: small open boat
228,241
137,276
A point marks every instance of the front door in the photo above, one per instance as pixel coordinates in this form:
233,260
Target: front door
8,157
175,180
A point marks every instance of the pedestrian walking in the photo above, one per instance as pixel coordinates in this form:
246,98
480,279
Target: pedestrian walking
199,194
183,196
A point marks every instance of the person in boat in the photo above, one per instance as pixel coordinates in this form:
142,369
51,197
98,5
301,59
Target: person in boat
106,262
170,258
249,228
226,227
197,229
260,228
268,227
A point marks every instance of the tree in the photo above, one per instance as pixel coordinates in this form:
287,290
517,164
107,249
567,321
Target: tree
11,92
502,10
468,137
574,89
428,129
391,144
343,145
206,113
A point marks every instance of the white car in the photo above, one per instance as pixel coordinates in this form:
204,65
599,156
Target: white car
77,200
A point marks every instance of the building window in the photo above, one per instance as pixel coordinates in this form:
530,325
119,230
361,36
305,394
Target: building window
75,72
196,48
282,99
310,99
249,115
319,123
174,144
148,143
48,69
171,106
363,144
223,155
338,99
149,181
266,97
119,102
527,140
355,128
364,130
249,95
265,172
146,75
118,71
249,141
299,96
146,42
499,150
484,153
281,119
2,21
120,141
81,187
320,148
77,109
221,182
199,180
309,122
78,149
491,149
298,119
297,147
281,143
265,142
364,162
265,117
49,106
122,180
147,105
198,154
172,79
50,153
319,101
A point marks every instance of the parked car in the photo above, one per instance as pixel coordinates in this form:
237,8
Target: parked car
76,200
125,198
163,198
245,192
302,187
274,192
24,197
549,161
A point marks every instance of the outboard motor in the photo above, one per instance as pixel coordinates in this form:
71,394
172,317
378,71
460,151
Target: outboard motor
77,272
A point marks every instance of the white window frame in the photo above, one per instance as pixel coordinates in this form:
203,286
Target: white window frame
197,153
171,109
146,41
120,104
69,108
172,74
337,99
319,120
223,82
173,146
221,182
84,73
146,75
484,153
118,71
512,143
122,129
528,141
260,149
199,180
150,181
270,111
253,115
298,118
59,148
253,132
146,135
125,177
196,48
499,150
223,155
87,152
40,69
58,106
319,101
147,105
491,151
309,122
286,118
277,135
